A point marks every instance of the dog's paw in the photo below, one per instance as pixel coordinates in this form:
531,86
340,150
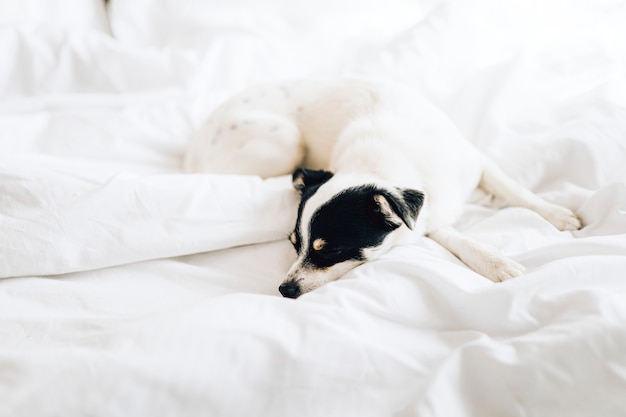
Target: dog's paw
562,218
502,269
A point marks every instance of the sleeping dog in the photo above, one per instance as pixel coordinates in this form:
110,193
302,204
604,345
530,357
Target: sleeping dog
374,163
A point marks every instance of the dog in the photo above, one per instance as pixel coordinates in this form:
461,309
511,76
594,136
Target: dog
375,164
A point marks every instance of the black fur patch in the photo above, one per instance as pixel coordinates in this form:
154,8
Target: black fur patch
303,179
352,221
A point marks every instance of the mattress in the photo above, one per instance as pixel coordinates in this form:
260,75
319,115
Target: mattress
129,288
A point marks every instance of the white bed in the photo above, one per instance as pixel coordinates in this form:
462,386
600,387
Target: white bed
132,289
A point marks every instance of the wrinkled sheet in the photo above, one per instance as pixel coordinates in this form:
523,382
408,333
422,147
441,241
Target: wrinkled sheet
131,289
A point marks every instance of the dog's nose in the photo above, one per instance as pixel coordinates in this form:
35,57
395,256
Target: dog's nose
289,289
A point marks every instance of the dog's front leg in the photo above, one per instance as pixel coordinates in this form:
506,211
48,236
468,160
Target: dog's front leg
496,182
484,259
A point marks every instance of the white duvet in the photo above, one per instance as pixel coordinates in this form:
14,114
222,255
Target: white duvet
132,289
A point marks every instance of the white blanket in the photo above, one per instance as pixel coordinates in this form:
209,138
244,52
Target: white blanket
132,289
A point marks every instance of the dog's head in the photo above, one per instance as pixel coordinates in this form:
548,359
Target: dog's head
341,225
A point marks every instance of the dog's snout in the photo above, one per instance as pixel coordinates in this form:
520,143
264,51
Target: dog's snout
290,289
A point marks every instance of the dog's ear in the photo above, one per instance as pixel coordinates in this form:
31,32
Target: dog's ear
399,207
303,178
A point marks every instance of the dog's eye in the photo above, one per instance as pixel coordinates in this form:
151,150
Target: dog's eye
329,252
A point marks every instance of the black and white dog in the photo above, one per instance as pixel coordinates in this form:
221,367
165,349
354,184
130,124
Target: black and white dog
374,164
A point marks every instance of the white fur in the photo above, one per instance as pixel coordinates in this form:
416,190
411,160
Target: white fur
364,132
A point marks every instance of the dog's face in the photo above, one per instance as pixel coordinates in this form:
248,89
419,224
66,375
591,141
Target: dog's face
340,227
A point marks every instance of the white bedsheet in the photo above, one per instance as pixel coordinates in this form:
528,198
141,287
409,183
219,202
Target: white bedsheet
131,289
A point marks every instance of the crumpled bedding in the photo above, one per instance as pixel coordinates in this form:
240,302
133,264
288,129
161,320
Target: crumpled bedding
131,288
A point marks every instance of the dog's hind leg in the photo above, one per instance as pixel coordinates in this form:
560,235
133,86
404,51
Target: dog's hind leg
484,259
246,143
496,182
